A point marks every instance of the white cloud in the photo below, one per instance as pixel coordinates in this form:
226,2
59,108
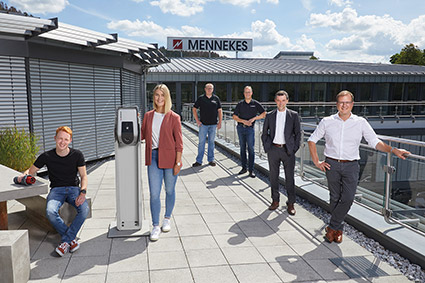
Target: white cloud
184,8
137,1
307,4
372,35
242,3
305,43
40,6
273,1
340,3
253,11
153,30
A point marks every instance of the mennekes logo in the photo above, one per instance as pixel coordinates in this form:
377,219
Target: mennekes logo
177,44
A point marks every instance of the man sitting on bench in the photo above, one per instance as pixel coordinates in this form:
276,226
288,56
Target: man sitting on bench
62,164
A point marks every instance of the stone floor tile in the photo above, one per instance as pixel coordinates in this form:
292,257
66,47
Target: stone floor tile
290,268
206,257
275,253
87,265
216,217
132,245
313,251
168,260
48,267
193,230
231,241
327,270
171,276
128,263
86,278
199,242
224,228
165,245
214,274
243,255
124,277
255,273
211,208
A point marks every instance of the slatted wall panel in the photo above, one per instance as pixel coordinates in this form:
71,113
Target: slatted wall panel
13,93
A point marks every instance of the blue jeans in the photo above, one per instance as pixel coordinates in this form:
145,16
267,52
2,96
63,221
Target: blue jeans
205,130
55,200
156,176
246,137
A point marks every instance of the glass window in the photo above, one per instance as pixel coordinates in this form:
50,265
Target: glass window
412,91
272,89
186,92
220,89
396,91
149,94
365,92
383,92
319,90
304,92
334,89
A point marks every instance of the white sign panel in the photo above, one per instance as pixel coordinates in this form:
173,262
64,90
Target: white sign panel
208,44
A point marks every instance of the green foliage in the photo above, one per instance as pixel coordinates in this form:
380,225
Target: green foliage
314,58
12,10
410,55
18,148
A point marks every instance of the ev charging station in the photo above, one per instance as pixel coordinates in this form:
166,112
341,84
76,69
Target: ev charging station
130,220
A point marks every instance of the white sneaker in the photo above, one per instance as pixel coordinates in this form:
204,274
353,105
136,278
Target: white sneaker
155,233
166,225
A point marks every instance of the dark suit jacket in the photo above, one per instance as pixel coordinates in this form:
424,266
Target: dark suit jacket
292,131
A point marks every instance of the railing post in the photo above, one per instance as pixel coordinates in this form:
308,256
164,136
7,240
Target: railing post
302,154
234,133
388,171
225,127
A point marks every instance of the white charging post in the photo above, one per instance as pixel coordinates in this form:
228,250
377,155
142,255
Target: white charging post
130,220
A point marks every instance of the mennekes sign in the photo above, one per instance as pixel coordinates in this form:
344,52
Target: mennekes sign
209,44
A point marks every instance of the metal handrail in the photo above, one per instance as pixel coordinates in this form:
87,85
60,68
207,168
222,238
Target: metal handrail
386,210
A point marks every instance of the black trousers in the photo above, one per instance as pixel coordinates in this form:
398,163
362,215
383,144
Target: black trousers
342,184
275,156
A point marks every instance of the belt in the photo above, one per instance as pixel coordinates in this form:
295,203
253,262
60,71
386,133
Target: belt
245,126
339,160
279,145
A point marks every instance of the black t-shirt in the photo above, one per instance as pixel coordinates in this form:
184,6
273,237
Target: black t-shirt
208,109
62,170
249,110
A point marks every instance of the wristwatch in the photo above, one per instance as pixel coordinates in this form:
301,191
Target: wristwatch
83,191
178,164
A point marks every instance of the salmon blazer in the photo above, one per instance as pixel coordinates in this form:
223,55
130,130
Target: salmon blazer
170,139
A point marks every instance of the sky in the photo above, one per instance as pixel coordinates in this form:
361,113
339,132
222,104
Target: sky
340,30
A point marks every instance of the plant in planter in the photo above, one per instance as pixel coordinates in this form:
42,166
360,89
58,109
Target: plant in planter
18,148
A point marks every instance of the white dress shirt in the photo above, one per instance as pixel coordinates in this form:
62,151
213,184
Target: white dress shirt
156,128
343,137
279,135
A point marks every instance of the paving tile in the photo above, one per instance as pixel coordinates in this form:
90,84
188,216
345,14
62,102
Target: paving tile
258,239
327,270
165,245
135,276
276,253
199,242
86,278
206,257
211,208
192,219
49,267
241,255
87,265
93,248
254,273
128,263
193,230
294,269
313,251
168,260
216,217
213,274
234,240
128,246
171,276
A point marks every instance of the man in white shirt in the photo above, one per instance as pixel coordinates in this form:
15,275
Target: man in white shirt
343,133
281,139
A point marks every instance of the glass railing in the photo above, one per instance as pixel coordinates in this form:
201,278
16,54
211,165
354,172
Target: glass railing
387,185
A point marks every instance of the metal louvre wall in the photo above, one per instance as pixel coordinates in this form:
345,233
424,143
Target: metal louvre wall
83,97
13,93
131,89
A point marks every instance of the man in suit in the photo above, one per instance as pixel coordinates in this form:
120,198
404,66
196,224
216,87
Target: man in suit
281,139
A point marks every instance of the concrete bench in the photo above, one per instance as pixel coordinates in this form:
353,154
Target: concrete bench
14,256
36,211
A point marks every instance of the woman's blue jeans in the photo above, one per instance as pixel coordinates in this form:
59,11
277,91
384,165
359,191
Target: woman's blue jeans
56,198
156,176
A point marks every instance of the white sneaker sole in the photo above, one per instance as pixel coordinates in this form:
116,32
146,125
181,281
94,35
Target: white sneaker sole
59,252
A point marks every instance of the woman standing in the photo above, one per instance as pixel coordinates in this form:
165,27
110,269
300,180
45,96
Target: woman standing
161,128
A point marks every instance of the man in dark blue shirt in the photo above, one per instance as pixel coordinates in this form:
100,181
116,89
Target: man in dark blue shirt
210,109
245,114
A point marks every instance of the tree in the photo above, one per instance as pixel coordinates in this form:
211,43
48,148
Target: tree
314,58
410,55
12,10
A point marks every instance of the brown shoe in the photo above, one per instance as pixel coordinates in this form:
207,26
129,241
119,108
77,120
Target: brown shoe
274,205
330,234
290,208
338,236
